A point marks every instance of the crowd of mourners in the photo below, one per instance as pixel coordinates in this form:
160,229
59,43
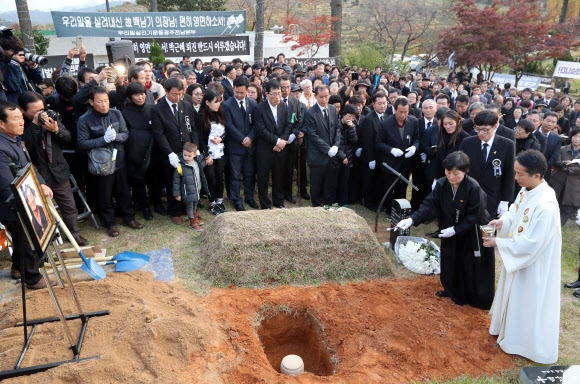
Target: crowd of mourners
187,136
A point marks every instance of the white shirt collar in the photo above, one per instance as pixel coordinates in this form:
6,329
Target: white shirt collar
489,143
171,104
322,109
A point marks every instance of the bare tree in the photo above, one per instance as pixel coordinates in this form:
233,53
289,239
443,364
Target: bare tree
153,5
25,25
401,24
259,47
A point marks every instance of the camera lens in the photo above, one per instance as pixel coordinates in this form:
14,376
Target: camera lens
36,58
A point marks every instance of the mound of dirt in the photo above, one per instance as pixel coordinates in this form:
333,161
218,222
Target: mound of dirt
382,331
290,246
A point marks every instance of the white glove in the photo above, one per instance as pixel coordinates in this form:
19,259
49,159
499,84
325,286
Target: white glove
578,217
358,152
423,157
372,164
291,138
502,208
397,152
333,151
447,232
434,184
110,135
405,224
173,160
410,151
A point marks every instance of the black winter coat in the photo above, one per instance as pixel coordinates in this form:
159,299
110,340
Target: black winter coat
49,162
140,142
348,143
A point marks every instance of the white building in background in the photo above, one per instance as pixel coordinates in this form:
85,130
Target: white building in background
273,45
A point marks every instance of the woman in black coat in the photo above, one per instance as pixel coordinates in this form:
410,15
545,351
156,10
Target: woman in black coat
346,150
139,145
210,122
450,137
458,203
525,139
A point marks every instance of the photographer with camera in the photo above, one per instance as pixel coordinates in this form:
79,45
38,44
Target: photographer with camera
21,74
9,44
43,135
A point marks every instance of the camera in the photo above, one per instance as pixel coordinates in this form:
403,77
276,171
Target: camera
52,114
29,56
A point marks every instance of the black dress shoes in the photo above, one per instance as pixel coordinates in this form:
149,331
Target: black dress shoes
290,200
133,224
279,206
576,294
574,285
147,215
113,231
239,207
266,208
252,204
441,294
305,195
81,241
160,209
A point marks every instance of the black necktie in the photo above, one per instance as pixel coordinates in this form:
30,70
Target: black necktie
382,117
484,152
326,117
174,106
285,101
242,108
429,124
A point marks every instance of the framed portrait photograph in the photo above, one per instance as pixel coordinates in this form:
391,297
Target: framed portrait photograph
33,208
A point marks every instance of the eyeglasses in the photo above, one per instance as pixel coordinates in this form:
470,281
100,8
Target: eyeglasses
20,54
481,130
519,130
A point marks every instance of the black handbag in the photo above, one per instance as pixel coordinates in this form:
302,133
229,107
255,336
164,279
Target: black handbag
101,161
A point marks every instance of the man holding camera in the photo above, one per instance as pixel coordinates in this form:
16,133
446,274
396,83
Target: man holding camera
43,135
20,75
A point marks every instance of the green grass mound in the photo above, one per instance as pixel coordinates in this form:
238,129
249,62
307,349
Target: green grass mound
298,246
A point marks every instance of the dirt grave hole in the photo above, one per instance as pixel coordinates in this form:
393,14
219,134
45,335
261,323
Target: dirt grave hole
299,333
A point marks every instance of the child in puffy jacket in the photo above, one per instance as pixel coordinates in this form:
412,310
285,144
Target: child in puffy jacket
188,180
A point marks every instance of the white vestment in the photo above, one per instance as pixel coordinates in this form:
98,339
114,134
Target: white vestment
525,313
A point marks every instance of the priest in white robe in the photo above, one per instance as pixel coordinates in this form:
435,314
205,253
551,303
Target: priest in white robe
525,313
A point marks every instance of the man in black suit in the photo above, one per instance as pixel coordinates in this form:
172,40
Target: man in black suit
563,122
492,162
172,122
461,106
397,142
553,140
272,125
394,94
427,120
536,117
228,81
240,136
295,117
548,98
502,130
367,134
323,136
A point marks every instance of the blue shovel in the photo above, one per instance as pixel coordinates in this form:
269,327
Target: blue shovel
90,266
128,261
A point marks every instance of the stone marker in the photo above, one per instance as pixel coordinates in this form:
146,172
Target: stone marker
566,374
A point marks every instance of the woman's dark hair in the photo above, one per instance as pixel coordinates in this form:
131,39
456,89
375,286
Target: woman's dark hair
442,132
574,132
440,112
207,114
28,97
527,125
216,87
135,88
456,160
197,61
66,87
193,87
258,89
348,109
335,99
533,161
